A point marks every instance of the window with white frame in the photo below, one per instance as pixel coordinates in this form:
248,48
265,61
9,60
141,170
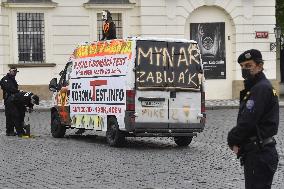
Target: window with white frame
31,44
116,18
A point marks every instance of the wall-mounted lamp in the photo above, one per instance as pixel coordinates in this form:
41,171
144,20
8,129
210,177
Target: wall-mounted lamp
277,33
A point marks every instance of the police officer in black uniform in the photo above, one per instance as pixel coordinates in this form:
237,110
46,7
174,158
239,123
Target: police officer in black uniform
17,105
258,118
10,87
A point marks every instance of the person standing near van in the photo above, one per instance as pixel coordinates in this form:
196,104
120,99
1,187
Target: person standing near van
258,118
9,86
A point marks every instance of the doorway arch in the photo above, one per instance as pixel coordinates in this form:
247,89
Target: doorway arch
218,86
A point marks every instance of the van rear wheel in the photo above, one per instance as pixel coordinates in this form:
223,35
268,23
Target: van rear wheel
57,129
114,136
183,140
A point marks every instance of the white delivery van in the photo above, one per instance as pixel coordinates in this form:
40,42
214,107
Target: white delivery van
146,87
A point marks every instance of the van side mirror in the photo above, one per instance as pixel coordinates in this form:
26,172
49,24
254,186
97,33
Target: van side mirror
53,85
62,72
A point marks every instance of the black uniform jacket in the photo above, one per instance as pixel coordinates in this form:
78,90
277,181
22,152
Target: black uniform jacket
9,86
259,108
23,99
16,104
109,30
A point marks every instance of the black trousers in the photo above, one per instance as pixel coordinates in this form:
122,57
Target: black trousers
260,166
9,121
14,118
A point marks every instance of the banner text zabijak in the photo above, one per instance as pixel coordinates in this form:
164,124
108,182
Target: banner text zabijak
171,64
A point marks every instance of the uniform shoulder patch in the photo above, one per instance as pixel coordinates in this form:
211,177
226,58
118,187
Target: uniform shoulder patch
250,104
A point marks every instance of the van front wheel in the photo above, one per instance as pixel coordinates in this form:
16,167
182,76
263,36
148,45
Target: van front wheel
114,136
183,140
57,129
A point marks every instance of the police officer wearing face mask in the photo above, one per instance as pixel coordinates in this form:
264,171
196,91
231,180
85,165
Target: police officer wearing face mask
10,87
258,118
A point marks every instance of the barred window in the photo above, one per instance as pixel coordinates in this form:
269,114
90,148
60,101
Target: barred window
116,18
30,28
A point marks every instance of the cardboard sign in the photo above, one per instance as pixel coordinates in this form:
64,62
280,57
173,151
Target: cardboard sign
167,64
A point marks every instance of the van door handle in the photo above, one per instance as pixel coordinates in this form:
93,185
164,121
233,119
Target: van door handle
151,99
173,94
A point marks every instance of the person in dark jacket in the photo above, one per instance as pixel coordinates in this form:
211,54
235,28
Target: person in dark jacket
109,29
9,86
258,118
17,105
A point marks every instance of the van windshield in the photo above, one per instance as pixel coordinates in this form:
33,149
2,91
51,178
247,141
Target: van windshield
168,65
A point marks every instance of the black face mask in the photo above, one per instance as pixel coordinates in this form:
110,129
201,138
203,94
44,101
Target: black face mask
246,74
12,75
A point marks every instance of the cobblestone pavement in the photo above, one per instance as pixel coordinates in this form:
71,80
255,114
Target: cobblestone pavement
153,163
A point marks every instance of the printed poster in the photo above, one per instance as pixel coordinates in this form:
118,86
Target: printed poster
98,78
211,40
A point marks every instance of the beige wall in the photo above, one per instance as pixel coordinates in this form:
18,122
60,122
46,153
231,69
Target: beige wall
71,22
217,88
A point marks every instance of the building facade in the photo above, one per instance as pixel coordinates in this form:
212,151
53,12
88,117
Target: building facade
38,36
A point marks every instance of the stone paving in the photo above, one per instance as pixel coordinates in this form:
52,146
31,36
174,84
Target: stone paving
148,163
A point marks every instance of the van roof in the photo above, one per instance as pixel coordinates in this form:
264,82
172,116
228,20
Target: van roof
144,39
163,39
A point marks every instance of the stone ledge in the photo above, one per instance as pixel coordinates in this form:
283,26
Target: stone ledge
29,5
41,90
31,65
107,6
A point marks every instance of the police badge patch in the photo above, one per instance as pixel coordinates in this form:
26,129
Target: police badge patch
248,55
250,104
